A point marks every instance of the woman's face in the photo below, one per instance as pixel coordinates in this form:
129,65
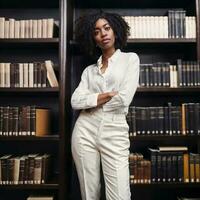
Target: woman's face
104,35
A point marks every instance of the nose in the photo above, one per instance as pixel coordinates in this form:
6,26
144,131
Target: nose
103,33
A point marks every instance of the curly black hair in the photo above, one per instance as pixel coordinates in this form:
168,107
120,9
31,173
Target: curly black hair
84,31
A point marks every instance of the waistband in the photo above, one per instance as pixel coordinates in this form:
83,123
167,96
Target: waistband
100,113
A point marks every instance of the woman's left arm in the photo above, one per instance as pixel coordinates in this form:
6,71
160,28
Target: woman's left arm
128,86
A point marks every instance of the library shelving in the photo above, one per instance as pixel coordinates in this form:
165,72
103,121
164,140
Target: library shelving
150,50
57,99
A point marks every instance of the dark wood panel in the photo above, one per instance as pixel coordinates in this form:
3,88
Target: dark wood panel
169,91
29,13
167,185
29,4
133,4
48,186
155,50
160,41
30,41
198,27
153,41
159,138
48,138
29,90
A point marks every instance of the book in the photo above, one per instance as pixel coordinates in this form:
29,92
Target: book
42,121
186,167
51,74
40,198
172,148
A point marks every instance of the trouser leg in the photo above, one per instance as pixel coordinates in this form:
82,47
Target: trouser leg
115,161
87,161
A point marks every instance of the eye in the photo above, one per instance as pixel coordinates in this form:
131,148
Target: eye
107,28
96,32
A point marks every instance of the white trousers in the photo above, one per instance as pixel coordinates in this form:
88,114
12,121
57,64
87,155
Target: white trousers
102,137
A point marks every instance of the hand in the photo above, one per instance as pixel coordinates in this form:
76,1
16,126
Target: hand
112,94
105,97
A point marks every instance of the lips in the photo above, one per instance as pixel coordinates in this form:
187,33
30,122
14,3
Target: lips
105,41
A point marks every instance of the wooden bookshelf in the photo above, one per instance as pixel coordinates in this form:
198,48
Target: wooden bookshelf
33,50
47,186
30,90
149,51
174,185
168,90
131,4
30,41
140,138
162,41
30,4
169,41
48,138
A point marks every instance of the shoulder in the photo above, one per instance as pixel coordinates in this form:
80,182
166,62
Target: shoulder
89,69
133,61
131,56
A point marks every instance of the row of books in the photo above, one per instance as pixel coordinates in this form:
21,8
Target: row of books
175,25
26,169
188,73
32,28
179,25
163,74
28,75
168,120
140,169
174,165
24,121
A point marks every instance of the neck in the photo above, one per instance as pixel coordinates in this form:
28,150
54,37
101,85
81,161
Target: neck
107,53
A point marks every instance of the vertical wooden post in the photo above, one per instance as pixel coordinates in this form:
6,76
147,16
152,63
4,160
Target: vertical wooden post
198,28
62,100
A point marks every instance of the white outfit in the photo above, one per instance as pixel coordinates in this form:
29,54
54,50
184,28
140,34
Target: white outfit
102,132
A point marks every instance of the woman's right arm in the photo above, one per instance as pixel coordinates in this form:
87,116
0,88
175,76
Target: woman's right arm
82,98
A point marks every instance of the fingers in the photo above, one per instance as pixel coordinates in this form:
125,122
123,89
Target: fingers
113,93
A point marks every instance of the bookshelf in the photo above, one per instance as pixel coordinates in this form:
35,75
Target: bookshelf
150,51
29,50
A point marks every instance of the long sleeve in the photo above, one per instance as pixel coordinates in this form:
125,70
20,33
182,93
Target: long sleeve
128,86
82,98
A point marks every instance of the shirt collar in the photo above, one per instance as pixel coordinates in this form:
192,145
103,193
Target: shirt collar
111,59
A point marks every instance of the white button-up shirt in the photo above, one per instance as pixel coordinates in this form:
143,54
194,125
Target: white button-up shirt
121,75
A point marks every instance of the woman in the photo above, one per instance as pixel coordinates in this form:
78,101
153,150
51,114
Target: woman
103,95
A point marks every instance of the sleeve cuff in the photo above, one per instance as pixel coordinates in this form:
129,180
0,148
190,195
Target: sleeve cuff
92,100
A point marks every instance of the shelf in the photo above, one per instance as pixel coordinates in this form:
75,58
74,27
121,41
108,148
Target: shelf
48,186
29,4
166,43
30,40
132,4
49,138
29,91
168,90
153,41
54,89
162,41
166,185
29,43
164,138
157,45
